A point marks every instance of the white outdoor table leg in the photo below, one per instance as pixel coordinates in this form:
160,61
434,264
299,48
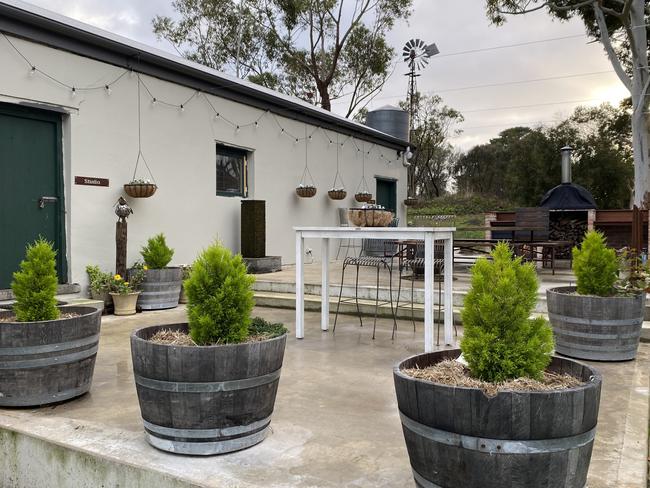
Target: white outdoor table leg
449,294
300,291
428,292
325,285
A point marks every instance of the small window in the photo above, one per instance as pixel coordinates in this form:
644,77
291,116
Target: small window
232,172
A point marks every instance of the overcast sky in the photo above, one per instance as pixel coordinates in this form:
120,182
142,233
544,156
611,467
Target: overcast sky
455,26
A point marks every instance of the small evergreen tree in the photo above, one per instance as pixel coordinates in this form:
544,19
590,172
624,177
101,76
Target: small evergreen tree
34,286
501,341
220,297
157,254
595,266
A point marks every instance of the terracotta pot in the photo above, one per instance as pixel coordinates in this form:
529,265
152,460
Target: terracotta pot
125,303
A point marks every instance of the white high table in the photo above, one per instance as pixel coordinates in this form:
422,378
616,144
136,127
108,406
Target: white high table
426,234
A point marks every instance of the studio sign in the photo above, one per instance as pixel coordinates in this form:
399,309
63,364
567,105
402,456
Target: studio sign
90,181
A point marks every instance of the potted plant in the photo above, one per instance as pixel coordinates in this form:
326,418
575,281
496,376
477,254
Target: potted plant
507,413
47,353
185,274
140,188
161,287
99,284
222,367
598,319
305,191
125,293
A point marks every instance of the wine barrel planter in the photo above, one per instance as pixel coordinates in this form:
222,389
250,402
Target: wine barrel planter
205,400
160,289
459,437
49,361
595,328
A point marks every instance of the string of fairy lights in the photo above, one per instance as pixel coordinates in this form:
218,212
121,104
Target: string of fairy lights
265,116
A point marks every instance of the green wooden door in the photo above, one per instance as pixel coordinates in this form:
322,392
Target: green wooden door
387,194
30,168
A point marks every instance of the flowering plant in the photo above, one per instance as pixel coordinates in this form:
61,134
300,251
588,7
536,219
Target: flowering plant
118,284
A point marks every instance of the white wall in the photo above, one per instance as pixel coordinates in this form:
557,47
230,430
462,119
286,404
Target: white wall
100,140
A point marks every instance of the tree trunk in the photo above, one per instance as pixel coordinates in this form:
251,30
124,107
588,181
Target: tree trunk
120,247
325,101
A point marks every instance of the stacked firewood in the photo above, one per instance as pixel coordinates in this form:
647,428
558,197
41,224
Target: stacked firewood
567,229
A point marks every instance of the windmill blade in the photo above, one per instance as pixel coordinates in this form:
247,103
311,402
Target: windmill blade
421,44
431,50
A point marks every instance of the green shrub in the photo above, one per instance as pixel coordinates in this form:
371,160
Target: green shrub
220,297
595,265
34,286
157,254
98,280
500,340
263,328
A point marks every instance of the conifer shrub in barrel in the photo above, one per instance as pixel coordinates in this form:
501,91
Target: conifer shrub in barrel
506,413
161,287
601,317
222,366
47,353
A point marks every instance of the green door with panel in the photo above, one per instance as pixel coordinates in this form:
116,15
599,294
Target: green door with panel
31,186
387,194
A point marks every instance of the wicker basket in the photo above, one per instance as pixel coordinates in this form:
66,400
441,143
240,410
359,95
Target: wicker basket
306,191
337,194
363,197
410,201
140,190
370,217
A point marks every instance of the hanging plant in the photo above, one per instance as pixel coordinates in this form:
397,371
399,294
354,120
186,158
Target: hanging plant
337,192
363,194
306,187
140,187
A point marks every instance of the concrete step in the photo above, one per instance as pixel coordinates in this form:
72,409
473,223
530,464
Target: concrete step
65,289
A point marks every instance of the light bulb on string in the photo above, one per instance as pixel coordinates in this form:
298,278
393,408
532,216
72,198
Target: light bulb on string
32,71
216,116
256,124
108,89
154,101
237,129
73,92
182,107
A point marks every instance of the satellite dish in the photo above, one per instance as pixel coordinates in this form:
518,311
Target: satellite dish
416,53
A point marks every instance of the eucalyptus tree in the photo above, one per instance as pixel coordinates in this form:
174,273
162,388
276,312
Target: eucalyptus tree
622,27
318,50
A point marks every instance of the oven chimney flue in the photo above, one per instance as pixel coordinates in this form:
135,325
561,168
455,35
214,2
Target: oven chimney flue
566,164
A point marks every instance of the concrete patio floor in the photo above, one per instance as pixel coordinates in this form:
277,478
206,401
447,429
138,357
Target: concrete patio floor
335,422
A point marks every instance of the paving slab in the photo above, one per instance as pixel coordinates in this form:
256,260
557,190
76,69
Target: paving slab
335,423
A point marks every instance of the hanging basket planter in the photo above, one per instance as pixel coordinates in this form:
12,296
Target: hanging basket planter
411,201
306,191
337,193
140,190
363,197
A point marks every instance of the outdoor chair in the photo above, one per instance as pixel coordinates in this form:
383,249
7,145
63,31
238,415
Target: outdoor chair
346,244
378,254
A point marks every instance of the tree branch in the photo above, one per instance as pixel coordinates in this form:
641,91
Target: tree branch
609,49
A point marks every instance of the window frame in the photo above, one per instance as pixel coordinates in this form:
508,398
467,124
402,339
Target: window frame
229,151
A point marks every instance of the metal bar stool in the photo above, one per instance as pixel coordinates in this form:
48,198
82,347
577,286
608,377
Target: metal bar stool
378,254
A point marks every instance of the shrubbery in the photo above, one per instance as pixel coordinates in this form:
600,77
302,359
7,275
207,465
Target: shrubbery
157,254
500,340
595,266
220,297
34,286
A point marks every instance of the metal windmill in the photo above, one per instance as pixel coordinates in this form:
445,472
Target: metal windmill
416,54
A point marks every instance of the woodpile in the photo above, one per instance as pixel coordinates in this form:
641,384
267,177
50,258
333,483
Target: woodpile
565,228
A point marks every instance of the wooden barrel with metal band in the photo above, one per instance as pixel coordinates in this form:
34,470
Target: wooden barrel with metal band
204,400
458,436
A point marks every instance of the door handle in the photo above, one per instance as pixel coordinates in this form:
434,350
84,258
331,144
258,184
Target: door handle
43,200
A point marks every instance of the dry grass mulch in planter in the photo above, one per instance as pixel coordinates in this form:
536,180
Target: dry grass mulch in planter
259,330
454,373
12,318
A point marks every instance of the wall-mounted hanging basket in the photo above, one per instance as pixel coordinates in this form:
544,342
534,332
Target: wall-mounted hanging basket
140,190
411,201
337,194
363,196
306,191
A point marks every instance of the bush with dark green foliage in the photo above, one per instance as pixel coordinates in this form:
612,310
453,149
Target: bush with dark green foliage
595,266
263,328
157,254
34,286
220,297
501,341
